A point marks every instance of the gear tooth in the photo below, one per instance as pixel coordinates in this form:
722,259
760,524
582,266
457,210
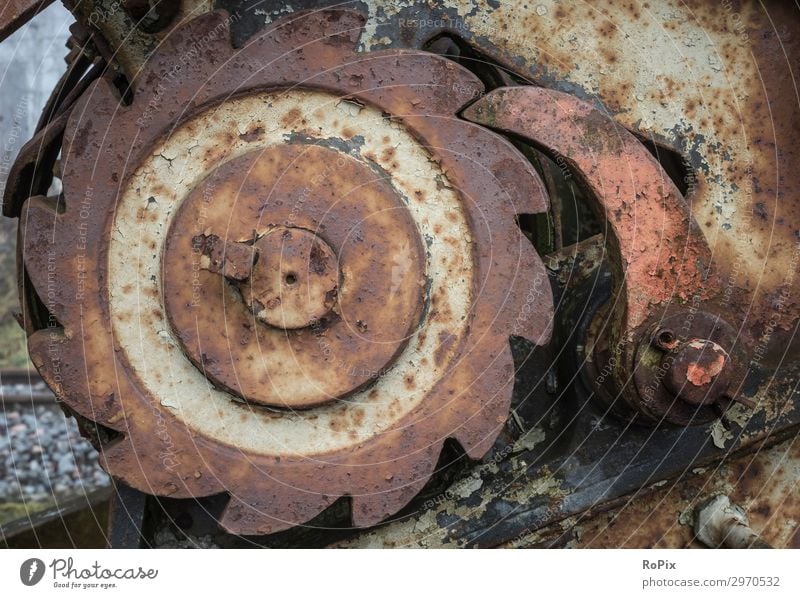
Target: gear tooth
39,344
157,468
473,436
367,510
570,128
120,460
47,254
274,511
533,309
93,398
87,126
476,111
433,85
533,197
484,404
500,161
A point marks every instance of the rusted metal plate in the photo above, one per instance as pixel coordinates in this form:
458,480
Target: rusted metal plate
658,252
211,153
764,484
663,72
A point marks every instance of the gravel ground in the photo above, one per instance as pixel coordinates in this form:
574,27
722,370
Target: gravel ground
42,454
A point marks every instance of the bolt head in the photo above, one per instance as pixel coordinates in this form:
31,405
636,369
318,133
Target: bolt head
697,371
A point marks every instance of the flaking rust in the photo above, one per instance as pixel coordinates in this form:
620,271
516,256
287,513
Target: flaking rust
466,500
764,484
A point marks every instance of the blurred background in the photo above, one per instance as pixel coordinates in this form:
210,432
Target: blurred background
47,471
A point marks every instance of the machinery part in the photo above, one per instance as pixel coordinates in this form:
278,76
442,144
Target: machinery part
127,511
152,16
720,524
288,225
659,268
698,372
686,373
128,32
728,160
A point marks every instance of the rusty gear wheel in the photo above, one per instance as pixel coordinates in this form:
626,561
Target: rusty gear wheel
287,272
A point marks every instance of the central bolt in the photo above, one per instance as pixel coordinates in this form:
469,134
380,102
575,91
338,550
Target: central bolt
696,372
295,278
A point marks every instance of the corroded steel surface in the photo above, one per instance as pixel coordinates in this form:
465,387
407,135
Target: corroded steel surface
662,516
692,379
192,161
716,82
659,258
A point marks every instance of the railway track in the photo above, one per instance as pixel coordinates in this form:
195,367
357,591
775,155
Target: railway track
23,386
